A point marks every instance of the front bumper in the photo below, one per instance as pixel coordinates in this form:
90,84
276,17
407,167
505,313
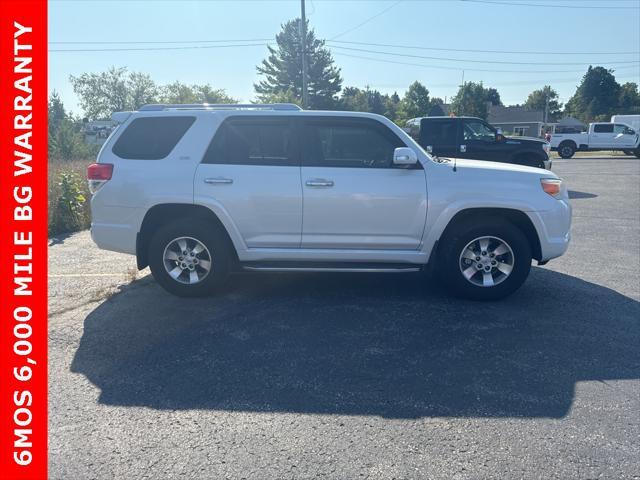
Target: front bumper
554,229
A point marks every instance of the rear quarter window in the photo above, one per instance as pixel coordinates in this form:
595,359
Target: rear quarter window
151,138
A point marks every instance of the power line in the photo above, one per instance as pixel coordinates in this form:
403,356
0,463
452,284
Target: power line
140,42
457,69
391,45
148,49
502,62
551,5
366,21
480,51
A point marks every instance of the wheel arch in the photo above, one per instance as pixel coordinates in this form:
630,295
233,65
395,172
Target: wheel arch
160,214
516,217
568,141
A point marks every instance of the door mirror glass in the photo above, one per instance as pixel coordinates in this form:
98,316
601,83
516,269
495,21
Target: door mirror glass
404,156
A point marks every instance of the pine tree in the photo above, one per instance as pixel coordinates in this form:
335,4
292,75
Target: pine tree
282,70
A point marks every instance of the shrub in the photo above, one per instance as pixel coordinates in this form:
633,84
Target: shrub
68,197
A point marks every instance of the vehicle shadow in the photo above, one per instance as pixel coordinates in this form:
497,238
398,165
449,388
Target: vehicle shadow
388,345
576,195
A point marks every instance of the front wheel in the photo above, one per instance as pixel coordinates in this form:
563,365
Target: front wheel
189,257
486,262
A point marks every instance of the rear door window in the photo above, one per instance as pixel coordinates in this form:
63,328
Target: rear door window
253,141
603,128
478,130
439,132
151,138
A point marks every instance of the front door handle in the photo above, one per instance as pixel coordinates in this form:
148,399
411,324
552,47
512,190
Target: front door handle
463,148
218,181
319,182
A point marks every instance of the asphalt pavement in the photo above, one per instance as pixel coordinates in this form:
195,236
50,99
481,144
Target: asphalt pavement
356,376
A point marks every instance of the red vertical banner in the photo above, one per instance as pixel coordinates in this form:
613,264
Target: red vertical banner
23,239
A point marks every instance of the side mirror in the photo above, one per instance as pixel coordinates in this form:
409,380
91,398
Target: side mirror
404,156
500,137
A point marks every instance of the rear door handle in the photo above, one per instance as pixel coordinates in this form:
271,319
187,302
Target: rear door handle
218,181
319,182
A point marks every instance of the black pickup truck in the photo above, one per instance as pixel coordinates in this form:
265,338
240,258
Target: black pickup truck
470,137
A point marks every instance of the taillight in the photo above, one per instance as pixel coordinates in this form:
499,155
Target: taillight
98,174
552,186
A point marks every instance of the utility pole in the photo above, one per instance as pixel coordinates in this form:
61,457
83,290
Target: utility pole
546,109
303,46
460,113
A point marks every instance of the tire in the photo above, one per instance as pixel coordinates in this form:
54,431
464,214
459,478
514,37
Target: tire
637,152
453,260
214,247
566,150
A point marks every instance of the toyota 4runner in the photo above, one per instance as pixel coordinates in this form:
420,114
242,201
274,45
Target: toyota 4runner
199,191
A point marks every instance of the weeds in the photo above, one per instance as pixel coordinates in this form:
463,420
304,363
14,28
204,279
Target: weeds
68,196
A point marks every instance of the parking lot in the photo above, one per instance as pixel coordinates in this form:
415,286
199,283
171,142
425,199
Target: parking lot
356,376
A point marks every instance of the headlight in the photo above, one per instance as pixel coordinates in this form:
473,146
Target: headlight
552,186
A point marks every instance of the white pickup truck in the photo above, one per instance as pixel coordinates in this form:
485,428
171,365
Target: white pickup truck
600,136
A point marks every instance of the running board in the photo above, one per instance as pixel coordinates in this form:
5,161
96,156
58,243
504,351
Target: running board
354,267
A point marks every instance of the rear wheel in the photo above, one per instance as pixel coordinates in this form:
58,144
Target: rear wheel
485,262
566,150
189,257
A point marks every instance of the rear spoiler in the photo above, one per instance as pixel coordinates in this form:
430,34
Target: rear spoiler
120,117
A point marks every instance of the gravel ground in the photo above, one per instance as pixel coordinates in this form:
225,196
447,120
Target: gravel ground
356,376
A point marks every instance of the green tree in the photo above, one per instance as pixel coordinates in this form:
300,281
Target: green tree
369,100
472,99
282,70
178,92
114,90
56,111
537,100
392,105
287,96
629,101
415,102
596,97
493,96
354,99
66,141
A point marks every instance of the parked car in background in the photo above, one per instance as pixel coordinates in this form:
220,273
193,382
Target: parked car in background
474,138
599,137
198,191
632,120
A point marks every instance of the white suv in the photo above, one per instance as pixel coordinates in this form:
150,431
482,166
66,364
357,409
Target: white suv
198,191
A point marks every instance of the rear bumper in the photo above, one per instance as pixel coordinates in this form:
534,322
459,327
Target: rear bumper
115,228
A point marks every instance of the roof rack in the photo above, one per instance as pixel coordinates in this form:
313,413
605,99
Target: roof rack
220,106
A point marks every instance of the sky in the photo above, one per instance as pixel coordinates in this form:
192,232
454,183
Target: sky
571,33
